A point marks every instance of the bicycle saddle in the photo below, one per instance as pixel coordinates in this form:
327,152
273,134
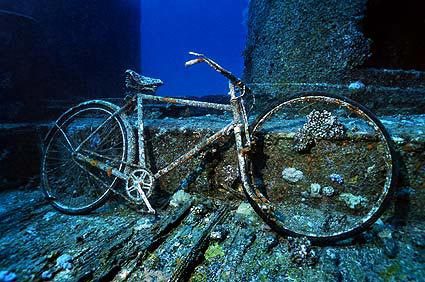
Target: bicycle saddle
141,83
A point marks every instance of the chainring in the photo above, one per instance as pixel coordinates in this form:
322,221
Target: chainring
139,179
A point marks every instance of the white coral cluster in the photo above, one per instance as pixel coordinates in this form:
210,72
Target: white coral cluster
319,125
352,201
316,191
292,175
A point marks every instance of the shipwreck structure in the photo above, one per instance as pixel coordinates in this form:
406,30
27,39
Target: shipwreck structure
369,49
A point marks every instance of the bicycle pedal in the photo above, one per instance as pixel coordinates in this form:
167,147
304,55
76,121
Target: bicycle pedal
152,211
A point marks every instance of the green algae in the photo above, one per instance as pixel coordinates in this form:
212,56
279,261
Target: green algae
213,251
199,277
391,272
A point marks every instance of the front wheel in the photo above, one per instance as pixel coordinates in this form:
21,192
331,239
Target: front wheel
322,167
97,131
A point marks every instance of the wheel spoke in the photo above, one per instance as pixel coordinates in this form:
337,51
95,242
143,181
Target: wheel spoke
66,138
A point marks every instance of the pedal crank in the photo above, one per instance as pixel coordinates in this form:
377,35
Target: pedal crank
139,187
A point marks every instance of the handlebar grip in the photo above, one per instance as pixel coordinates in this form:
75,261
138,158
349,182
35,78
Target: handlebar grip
195,54
194,61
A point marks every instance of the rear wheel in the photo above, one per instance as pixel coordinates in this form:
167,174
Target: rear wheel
322,167
74,186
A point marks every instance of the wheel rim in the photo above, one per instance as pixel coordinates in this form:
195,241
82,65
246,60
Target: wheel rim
353,168
76,186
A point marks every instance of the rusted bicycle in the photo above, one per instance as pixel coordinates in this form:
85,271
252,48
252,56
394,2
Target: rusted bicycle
315,165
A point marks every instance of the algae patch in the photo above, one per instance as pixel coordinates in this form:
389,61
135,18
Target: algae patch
214,251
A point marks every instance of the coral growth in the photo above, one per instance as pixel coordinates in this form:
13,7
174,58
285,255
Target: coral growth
328,191
336,178
179,198
64,261
352,201
292,175
315,190
319,125
214,251
301,252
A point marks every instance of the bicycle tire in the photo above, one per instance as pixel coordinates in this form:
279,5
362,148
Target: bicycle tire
291,208
73,186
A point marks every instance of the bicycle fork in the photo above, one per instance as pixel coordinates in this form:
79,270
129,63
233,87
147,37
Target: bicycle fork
240,121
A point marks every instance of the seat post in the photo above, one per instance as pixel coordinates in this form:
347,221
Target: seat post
140,131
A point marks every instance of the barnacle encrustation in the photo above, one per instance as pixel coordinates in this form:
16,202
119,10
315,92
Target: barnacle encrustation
320,125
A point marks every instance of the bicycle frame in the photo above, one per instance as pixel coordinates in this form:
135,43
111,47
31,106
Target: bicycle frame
238,125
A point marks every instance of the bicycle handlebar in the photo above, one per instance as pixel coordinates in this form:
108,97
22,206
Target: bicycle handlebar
201,58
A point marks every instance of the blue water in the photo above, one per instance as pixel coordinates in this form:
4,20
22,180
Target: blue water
170,28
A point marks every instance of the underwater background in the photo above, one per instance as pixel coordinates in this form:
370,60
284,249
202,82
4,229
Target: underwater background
171,29
81,49
57,54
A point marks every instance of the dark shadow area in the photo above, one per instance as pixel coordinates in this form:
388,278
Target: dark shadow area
64,51
402,193
22,65
396,29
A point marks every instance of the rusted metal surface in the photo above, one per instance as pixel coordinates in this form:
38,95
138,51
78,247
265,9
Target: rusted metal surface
68,155
101,166
194,151
140,132
192,103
